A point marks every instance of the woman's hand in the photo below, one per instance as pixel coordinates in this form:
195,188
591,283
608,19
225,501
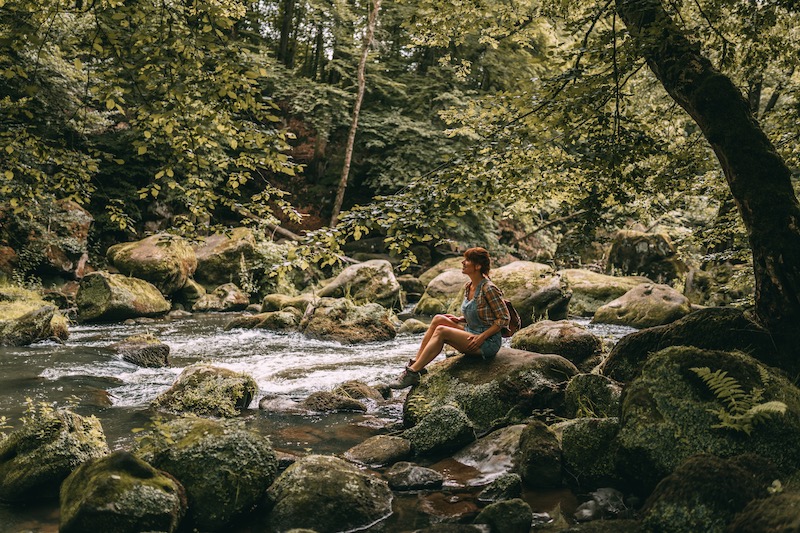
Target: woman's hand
474,342
454,318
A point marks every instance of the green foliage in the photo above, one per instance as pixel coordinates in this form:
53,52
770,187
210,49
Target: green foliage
742,410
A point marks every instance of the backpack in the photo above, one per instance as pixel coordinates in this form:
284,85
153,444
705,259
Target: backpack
516,321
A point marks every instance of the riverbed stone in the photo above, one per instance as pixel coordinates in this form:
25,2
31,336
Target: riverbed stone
358,390
207,390
413,326
36,458
223,466
189,294
592,395
325,493
42,323
443,294
368,282
669,414
506,487
591,290
645,306
649,254
493,454
286,320
143,350
225,298
538,459
380,450
500,391
339,319
562,337
409,476
120,493
507,516
588,452
104,297
164,260
328,402
277,302
443,429
221,257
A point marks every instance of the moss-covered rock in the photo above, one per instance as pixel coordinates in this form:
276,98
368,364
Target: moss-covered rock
779,512
36,458
716,328
535,290
120,493
451,263
380,450
705,493
189,294
326,494
26,318
592,395
143,350
493,454
208,390
341,320
562,337
505,487
277,302
588,451
443,294
224,298
506,388
222,257
368,282
442,430
358,390
667,416
538,460
164,260
104,297
286,320
328,402
224,467
644,306
649,254
507,516
410,476
591,290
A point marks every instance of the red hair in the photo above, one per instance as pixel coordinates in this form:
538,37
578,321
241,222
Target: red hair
480,257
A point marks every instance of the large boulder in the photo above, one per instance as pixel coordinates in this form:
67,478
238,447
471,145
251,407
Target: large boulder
278,302
648,254
443,429
717,328
164,260
224,257
451,263
224,298
36,458
592,395
443,294
104,297
535,290
538,459
26,318
562,337
368,282
120,493
644,306
512,384
669,414
588,452
341,320
209,391
591,290
223,466
323,493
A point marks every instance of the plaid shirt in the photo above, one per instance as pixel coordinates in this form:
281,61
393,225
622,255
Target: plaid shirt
491,308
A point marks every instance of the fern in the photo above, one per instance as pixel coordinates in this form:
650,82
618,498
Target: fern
742,410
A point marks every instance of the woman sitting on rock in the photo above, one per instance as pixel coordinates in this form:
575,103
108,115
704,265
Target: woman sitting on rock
476,333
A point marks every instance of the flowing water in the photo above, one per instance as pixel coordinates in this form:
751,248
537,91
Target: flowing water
86,374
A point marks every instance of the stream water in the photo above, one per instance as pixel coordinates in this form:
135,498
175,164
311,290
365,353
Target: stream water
85,373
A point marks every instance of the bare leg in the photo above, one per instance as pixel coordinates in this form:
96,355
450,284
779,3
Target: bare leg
438,320
441,335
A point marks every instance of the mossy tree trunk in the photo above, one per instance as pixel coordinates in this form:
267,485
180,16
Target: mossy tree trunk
757,175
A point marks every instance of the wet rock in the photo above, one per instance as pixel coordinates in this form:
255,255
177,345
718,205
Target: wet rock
409,476
648,254
593,396
120,493
143,350
778,512
164,260
506,487
222,258
36,458
326,494
644,306
443,294
588,451
538,460
286,320
342,321
36,325
368,282
605,503
448,512
275,403
104,297
358,391
567,339
492,455
208,391
442,430
380,450
277,302
507,516
412,287
224,298
189,294
327,402
591,290
413,326
223,466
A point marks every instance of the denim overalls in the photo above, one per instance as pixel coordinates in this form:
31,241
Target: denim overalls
469,308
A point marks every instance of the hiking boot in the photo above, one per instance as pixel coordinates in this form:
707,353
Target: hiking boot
406,379
421,371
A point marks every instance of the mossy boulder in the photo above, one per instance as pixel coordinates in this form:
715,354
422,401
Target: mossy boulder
380,450
358,390
591,290
505,487
164,260
286,320
507,516
208,391
443,429
368,282
649,254
535,289
277,302
592,395
120,493
189,294
104,297
328,402
36,458
538,459
779,512
588,452
224,467
667,416
224,298
717,328
644,306
409,476
443,294
323,493
705,493
451,263
509,386
567,339
224,257
339,319
143,350
26,318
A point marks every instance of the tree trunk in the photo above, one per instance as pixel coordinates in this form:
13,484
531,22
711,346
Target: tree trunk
757,175
285,45
351,138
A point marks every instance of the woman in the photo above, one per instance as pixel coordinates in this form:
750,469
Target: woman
476,333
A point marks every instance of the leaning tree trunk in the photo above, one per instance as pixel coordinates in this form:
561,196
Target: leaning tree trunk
757,175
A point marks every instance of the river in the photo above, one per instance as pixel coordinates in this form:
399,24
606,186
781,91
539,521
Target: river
86,374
